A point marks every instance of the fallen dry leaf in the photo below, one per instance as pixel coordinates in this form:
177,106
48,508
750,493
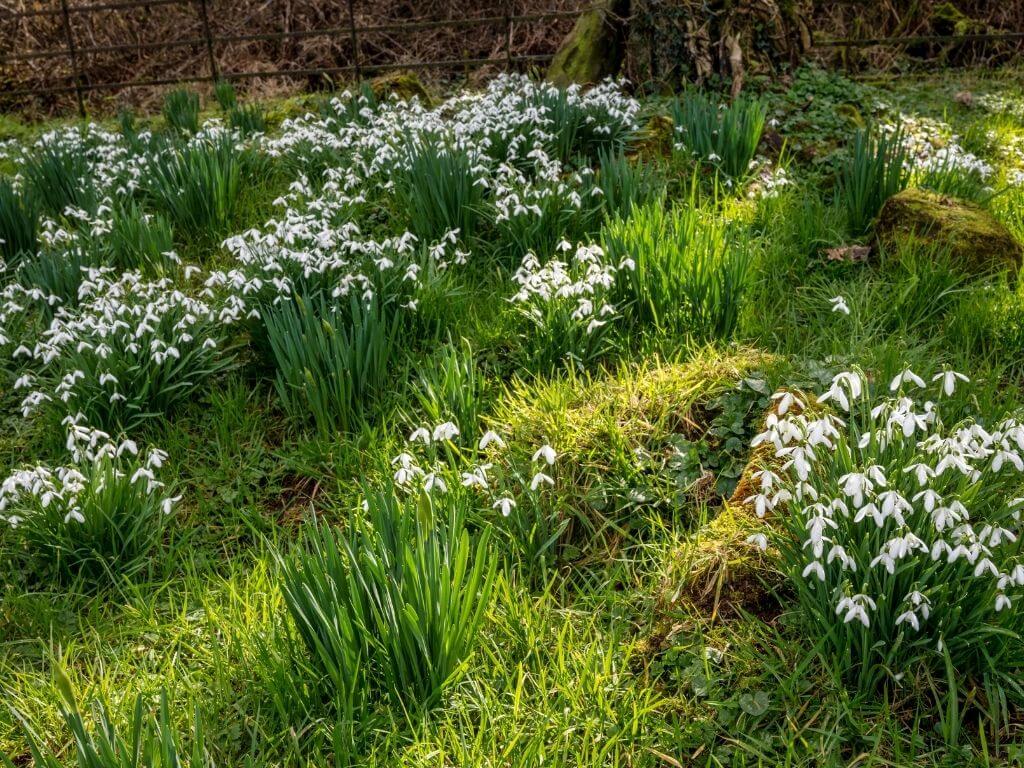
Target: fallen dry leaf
851,253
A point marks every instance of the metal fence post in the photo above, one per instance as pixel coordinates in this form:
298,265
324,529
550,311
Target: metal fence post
508,41
204,17
76,71
354,39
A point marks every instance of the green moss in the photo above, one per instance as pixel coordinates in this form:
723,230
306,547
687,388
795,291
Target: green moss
404,85
976,241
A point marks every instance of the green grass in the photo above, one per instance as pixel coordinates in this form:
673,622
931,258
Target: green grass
616,619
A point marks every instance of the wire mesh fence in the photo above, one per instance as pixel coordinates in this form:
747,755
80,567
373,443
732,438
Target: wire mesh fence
209,45
207,40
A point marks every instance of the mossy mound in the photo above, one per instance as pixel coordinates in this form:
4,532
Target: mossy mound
975,239
593,50
403,85
720,573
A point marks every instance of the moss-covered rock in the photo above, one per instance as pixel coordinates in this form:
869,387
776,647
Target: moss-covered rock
403,84
975,239
593,50
655,139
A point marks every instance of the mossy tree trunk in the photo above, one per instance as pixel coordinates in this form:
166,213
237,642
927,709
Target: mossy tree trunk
664,44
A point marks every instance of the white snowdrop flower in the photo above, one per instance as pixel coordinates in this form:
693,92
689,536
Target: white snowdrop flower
762,503
759,540
505,505
909,617
490,438
949,379
74,514
854,608
839,305
1002,602
816,568
786,400
445,431
539,479
167,505
477,478
545,452
906,376
127,446
421,434
434,481
923,473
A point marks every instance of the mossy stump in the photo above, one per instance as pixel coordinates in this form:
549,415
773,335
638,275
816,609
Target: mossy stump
403,84
593,50
974,238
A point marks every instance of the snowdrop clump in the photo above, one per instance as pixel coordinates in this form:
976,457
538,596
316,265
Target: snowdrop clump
104,509
567,302
519,138
315,248
504,490
898,529
131,349
933,148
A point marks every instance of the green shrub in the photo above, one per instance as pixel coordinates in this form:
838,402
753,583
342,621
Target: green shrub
330,361
875,169
181,111
727,137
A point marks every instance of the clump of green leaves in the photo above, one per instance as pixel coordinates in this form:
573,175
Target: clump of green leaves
224,93
393,607
439,190
686,269
181,111
140,240
197,186
876,168
150,740
19,227
448,386
58,176
247,119
331,361
724,135
626,183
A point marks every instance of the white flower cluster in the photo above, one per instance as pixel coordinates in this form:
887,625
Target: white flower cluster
316,247
580,285
933,147
891,506
127,335
67,491
424,466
